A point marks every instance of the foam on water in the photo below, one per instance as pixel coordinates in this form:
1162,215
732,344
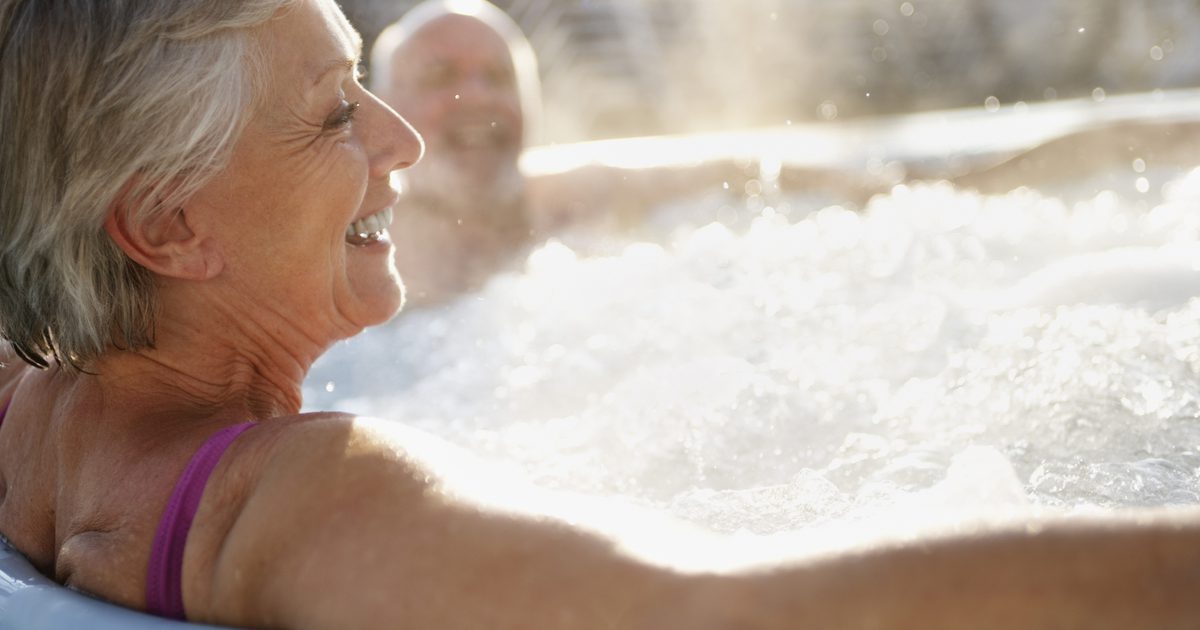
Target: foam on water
939,354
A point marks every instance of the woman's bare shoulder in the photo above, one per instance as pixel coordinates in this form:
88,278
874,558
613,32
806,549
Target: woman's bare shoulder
319,479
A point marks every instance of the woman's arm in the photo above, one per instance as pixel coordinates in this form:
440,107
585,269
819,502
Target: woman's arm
345,525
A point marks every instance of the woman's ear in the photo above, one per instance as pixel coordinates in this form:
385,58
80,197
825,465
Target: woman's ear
163,242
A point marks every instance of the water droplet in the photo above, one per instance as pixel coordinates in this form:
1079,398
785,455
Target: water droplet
1050,94
906,9
329,387
1081,30
1099,95
1156,53
1139,165
1143,185
879,54
457,96
881,27
1021,107
992,104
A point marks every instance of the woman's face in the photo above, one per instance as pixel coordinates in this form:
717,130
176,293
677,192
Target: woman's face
298,213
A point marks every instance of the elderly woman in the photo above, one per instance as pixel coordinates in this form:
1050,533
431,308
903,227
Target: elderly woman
192,210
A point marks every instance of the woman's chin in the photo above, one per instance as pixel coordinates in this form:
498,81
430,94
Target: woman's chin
380,307
376,292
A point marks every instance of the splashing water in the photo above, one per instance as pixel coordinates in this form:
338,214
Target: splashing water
940,353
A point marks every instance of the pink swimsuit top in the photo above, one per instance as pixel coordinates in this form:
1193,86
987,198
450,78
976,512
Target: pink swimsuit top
164,575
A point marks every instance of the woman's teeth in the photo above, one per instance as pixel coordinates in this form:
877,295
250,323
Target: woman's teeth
369,229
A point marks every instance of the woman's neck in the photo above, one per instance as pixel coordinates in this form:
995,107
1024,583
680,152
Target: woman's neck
216,362
235,384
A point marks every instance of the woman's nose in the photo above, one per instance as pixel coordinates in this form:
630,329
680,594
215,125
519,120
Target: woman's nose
392,143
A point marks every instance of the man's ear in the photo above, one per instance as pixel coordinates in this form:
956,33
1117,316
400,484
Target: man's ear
163,242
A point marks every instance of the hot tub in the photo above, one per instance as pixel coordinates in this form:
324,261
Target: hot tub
782,364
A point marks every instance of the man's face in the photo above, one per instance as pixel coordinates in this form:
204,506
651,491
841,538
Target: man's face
454,81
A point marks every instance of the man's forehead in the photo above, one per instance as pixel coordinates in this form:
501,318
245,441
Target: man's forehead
456,37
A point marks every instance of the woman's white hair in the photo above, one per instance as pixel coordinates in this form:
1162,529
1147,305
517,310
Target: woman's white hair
137,102
524,60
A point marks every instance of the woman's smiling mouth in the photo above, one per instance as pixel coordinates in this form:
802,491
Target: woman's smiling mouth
370,229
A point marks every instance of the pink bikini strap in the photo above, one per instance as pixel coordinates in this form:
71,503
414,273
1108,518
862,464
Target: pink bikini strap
164,577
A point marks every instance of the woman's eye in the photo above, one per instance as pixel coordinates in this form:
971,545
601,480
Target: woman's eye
342,116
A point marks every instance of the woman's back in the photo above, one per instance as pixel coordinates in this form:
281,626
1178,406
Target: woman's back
85,481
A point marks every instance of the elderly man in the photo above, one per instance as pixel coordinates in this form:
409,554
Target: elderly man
466,78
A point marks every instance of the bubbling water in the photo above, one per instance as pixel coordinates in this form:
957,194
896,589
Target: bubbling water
941,353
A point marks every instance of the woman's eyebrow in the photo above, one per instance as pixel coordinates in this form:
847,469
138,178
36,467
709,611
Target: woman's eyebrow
344,64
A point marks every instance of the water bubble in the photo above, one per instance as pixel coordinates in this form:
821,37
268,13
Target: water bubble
879,54
1021,107
828,110
329,387
894,172
754,188
1156,53
1142,184
881,27
1099,95
992,104
1049,94
906,9
1139,165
